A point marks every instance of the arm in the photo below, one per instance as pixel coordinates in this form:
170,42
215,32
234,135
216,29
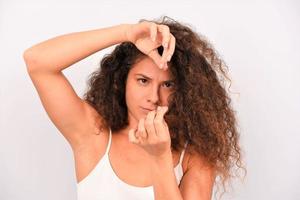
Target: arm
72,116
196,183
164,180
60,52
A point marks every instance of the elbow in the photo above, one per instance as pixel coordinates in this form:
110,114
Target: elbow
35,62
30,60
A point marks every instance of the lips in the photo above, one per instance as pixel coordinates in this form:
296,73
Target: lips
147,109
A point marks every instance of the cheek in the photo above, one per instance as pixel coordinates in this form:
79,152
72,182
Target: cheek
165,98
133,95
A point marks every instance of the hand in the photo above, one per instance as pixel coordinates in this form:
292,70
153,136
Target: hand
152,134
148,36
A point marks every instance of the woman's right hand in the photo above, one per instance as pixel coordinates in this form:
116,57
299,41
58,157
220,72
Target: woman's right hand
148,36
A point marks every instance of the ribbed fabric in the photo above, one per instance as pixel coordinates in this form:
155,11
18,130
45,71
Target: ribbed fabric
103,184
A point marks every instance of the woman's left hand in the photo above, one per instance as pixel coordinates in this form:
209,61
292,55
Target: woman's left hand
147,36
152,134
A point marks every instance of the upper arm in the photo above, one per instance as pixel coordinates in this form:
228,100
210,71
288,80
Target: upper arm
68,112
198,180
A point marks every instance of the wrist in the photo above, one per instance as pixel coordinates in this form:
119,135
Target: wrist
126,32
166,157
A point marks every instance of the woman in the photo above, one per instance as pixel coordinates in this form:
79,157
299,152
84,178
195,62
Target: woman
155,123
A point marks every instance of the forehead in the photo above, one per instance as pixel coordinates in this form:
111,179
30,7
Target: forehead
148,67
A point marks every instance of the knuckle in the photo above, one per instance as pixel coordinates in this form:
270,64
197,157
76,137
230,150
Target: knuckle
147,122
142,131
165,27
144,23
152,24
156,121
144,135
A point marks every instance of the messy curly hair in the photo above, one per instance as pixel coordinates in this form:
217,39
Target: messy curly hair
200,110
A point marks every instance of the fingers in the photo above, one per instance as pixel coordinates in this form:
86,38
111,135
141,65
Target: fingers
141,129
165,31
132,138
150,129
159,122
156,58
153,31
167,55
166,35
172,48
168,43
139,135
149,125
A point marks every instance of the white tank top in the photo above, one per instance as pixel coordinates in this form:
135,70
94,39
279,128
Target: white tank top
103,184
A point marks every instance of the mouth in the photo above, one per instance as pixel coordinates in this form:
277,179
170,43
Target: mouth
146,109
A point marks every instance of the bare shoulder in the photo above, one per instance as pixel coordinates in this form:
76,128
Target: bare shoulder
198,181
186,159
195,160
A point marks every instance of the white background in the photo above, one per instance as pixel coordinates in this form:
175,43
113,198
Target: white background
259,41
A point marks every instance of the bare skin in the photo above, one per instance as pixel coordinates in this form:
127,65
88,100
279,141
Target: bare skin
77,121
126,157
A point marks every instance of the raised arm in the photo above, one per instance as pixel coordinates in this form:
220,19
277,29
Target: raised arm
45,61
60,52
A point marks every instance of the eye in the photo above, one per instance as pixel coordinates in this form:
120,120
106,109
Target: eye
170,84
142,79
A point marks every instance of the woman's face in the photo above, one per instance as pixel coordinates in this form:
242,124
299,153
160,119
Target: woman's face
147,87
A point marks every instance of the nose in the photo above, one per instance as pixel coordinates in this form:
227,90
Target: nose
153,96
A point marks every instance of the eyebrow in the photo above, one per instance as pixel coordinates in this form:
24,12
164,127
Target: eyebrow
172,80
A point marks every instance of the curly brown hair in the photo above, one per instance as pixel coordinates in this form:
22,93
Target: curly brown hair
199,110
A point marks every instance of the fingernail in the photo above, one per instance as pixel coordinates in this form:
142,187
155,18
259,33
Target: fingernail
158,108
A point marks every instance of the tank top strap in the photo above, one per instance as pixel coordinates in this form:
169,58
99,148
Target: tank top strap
109,142
182,153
